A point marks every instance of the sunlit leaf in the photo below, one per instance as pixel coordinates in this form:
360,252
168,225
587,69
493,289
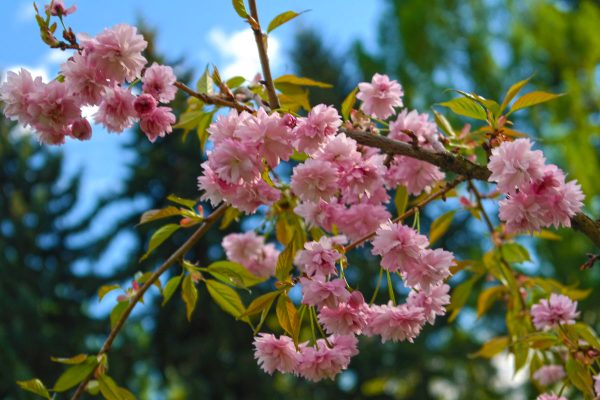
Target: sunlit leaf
170,288
234,82
35,386
111,391
231,214
466,107
117,311
287,315
260,303
205,83
234,274
348,103
515,253
300,81
487,298
531,99
282,19
401,199
513,91
440,226
491,347
240,8
189,203
161,234
75,374
153,215
106,289
78,359
189,294
580,377
226,297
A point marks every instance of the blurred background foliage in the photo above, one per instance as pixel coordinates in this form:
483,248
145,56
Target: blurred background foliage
429,46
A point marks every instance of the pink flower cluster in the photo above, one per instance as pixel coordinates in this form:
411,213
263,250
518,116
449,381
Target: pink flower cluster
250,250
550,396
538,195
380,96
324,360
94,76
559,309
57,8
549,374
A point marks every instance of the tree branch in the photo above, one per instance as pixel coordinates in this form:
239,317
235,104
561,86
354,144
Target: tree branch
261,44
174,258
216,100
455,163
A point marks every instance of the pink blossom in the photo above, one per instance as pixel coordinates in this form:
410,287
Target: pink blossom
276,354
347,318
597,384
225,126
550,396
380,96
235,162
549,374
563,205
144,104
84,79
116,111
16,92
340,150
415,174
359,219
433,302
215,189
314,180
159,81
399,246
318,292
362,179
270,134
419,124
250,250
316,214
117,52
81,129
157,123
395,323
57,8
558,310
522,212
430,271
321,362
249,197
319,258
322,121
514,163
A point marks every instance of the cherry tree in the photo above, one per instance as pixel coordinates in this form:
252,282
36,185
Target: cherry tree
360,177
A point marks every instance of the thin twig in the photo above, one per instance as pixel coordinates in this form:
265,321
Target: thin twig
411,212
261,44
174,258
486,217
216,100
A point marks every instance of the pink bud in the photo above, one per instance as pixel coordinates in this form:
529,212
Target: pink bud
144,104
289,120
81,129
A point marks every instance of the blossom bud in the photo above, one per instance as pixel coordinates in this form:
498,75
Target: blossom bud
81,129
144,104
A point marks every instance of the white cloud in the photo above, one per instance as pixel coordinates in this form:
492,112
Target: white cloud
57,56
238,52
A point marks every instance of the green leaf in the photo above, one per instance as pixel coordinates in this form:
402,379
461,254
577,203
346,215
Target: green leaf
117,311
348,103
234,274
580,377
548,235
240,8
283,231
106,289
299,81
286,258
401,199
513,91
515,253
261,303
466,107
75,374
460,295
234,82
205,83
226,297
35,386
443,123
189,203
162,234
531,99
189,120
231,214
583,331
491,347
440,226
287,316
282,19
153,215
487,298
540,340
78,359
189,294
170,288
111,391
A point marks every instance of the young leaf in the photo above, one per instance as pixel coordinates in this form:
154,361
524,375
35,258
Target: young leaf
240,8
111,391
285,259
487,298
189,203
440,226
531,99
153,215
299,81
162,234
515,253
401,199
261,303
170,288
231,214
234,82
75,374
226,297
189,293
491,347
106,289
287,315
78,359
234,274
35,386
443,123
283,231
117,311
282,19
460,295
513,91
348,103
580,377
205,83
466,107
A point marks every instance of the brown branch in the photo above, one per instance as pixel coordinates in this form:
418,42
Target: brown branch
486,218
455,163
261,44
174,258
440,193
215,100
